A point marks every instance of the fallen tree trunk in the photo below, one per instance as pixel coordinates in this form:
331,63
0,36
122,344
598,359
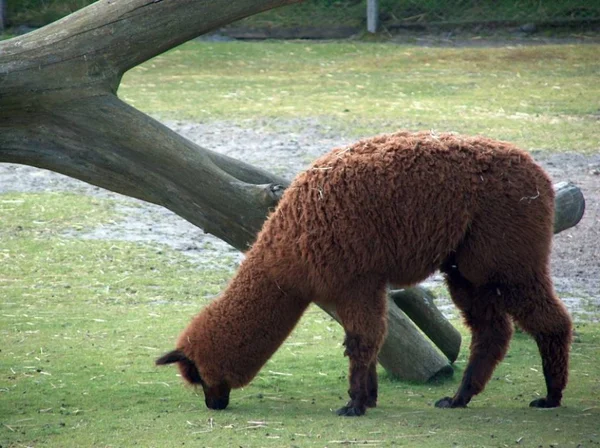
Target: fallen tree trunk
416,351
59,111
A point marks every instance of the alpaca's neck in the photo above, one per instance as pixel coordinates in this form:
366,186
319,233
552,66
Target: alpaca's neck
253,317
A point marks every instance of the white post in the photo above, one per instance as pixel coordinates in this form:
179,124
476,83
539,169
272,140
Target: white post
372,15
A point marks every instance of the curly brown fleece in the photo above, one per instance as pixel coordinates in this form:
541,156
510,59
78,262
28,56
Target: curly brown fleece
393,209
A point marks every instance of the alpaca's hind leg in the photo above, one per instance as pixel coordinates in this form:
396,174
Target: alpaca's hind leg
491,332
540,313
363,315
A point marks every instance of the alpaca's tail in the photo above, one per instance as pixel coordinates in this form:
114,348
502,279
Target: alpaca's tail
187,367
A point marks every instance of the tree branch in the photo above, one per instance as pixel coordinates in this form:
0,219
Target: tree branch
106,142
89,50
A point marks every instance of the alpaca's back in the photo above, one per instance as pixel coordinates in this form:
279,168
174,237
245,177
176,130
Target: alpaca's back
398,205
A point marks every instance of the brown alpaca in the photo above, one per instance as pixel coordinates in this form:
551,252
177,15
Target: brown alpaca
392,209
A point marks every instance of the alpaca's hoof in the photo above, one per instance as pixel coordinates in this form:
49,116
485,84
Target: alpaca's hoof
448,402
351,411
544,403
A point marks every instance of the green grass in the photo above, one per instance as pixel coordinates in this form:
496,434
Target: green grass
82,321
542,97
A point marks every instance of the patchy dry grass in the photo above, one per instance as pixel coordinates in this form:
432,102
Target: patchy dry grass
82,321
540,97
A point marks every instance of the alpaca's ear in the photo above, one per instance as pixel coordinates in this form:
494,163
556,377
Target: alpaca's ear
188,369
171,357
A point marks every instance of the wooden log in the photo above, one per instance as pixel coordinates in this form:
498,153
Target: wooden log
569,206
406,354
416,361
419,306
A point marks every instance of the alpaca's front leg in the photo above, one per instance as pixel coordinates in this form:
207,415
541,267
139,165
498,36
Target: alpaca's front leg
372,385
358,378
363,315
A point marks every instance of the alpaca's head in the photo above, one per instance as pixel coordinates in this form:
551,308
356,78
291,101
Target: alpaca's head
215,397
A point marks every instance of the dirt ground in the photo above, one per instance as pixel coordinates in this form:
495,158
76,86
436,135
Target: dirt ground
286,147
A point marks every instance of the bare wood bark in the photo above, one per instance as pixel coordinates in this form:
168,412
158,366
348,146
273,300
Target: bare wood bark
418,304
425,364
105,142
569,206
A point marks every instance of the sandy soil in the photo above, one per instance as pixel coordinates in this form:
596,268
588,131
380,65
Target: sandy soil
286,147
